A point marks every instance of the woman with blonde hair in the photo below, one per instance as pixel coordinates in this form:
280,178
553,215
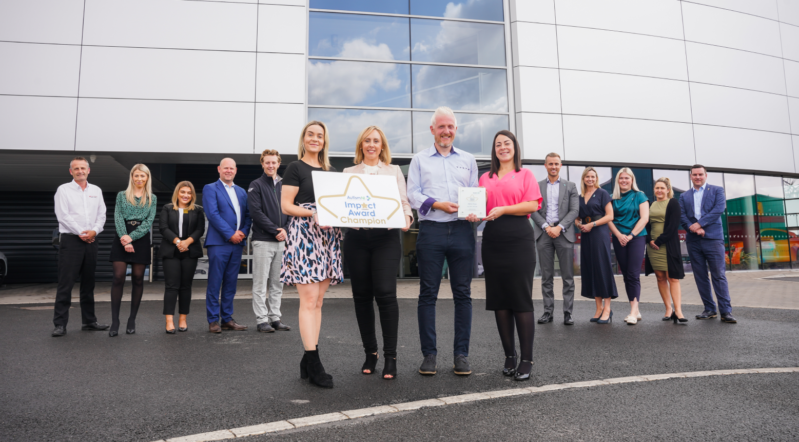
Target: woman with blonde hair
630,216
373,257
182,224
596,270
133,218
312,258
663,254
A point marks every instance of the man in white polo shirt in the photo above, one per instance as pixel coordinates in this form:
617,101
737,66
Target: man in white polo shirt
80,210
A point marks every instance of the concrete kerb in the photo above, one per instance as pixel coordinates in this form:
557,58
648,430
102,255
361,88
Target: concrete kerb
272,427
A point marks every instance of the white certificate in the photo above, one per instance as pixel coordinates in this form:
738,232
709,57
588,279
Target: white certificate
471,200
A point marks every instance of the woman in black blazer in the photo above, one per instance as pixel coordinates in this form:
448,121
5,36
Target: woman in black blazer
663,255
182,224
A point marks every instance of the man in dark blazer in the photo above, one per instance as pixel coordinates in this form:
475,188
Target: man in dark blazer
554,229
228,226
701,209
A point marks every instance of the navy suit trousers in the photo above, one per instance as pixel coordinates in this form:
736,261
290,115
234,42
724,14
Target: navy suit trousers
708,254
224,262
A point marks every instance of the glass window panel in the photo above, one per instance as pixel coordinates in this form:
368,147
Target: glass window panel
352,83
793,220
471,9
742,225
791,187
680,179
792,206
468,89
539,171
714,178
345,125
475,132
366,37
768,187
384,6
442,41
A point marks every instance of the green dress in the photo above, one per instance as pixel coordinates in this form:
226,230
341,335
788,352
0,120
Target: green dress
657,220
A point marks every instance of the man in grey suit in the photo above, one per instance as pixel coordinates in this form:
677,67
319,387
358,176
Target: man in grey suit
555,233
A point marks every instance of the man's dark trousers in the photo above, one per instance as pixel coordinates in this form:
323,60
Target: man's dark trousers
76,258
453,241
708,254
224,262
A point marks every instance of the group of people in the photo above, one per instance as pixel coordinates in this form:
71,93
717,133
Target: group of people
291,247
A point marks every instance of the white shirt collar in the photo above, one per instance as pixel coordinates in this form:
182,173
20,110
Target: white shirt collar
229,187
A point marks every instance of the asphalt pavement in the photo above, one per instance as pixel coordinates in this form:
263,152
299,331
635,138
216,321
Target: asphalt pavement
151,386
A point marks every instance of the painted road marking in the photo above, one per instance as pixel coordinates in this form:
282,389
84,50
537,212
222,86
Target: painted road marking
272,427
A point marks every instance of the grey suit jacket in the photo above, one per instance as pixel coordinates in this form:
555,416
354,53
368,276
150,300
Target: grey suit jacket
568,209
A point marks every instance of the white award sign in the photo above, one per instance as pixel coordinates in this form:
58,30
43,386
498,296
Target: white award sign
471,200
355,200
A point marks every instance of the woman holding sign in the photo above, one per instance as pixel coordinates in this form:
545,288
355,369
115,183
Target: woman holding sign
312,259
512,194
373,257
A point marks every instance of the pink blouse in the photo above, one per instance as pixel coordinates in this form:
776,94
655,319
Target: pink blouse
513,188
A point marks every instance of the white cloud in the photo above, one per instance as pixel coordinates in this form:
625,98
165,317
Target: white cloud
351,83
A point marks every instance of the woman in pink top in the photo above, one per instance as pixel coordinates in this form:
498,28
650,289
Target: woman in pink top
373,257
509,250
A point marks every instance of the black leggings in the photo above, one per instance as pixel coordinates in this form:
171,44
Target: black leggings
137,281
178,276
373,258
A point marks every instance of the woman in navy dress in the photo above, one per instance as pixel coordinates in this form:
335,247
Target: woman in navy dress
596,212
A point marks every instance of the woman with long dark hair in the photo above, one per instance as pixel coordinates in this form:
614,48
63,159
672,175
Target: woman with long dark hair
508,249
133,218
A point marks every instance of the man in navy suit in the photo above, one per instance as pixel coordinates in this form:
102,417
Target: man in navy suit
701,209
229,224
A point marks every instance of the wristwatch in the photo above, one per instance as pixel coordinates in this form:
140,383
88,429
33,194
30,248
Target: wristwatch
177,243
594,225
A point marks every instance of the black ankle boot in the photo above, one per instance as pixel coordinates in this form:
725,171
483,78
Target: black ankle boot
370,363
390,369
304,366
315,371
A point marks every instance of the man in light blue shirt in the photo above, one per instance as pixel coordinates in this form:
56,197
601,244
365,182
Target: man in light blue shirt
699,193
434,176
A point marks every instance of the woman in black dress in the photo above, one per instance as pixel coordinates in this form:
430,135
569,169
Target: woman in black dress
508,250
133,216
596,212
182,224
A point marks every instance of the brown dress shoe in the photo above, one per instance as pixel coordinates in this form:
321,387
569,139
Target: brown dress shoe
232,325
214,327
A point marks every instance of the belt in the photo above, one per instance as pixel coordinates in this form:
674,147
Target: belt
133,223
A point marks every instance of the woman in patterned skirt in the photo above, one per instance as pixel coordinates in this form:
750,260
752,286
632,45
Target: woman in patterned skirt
312,259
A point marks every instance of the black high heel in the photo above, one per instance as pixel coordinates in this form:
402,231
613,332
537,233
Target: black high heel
390,369
131,330
370,363
509,371
677,320
523,376
171,332
315,372
183,329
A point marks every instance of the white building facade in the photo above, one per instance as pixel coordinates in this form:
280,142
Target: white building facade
657,85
